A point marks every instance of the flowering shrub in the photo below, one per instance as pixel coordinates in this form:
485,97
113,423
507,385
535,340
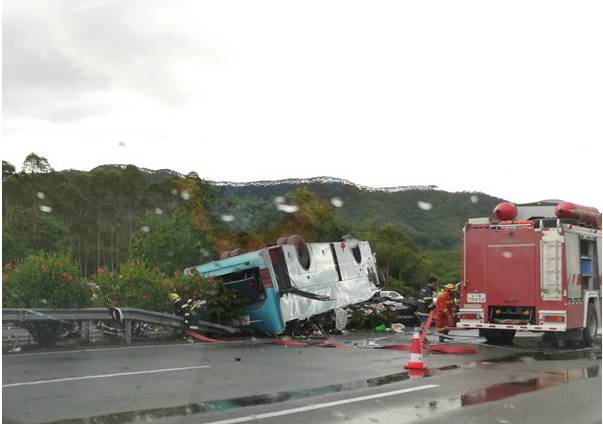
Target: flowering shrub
44,281
137,285
134,285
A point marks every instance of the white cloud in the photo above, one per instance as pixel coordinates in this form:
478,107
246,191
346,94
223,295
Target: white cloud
467,96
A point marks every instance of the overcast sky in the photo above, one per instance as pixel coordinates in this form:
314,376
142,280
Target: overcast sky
500,97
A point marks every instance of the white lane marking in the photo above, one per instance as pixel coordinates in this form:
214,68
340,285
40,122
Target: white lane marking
20,355
90,377
321,405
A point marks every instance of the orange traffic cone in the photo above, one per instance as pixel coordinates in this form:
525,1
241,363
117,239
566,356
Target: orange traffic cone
416,356
417,373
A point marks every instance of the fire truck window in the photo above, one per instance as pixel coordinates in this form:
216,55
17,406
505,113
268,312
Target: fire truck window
587,250
596,267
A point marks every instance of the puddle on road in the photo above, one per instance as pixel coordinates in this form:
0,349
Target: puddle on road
521,386
527,357
431,408
493,393
227,404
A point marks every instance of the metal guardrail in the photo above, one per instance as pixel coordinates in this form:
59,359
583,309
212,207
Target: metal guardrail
23,314
87,314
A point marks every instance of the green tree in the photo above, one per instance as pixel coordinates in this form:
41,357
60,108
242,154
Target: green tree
314,218
398,257
19,238
8,170
34,164
170,243
445,264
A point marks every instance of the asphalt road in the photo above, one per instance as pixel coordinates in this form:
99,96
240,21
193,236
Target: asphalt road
230,383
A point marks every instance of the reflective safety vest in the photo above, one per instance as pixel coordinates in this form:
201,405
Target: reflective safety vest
425,299
187,310
445,304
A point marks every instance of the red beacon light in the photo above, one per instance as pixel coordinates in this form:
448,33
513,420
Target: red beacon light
505,211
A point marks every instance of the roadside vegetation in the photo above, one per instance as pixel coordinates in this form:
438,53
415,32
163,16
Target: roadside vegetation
119,235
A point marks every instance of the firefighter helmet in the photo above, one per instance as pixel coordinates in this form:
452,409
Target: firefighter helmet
173,297
450,286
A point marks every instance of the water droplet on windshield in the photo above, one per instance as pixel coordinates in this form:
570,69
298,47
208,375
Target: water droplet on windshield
121,144
279,199
507,255
337,202
227,218
204,252
287,208
44,301
40,195
424,205
474,198
159,211
146,228
174,192
185,195
45,208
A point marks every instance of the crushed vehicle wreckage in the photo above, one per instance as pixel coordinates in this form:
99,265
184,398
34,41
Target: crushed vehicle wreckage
302,289
299,288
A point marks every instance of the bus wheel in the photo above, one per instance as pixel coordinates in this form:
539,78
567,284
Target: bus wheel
590,331
225,255
302,250
238,251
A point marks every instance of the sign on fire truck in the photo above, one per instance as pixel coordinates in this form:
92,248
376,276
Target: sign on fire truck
533,267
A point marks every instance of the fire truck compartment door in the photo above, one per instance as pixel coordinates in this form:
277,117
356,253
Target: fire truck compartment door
512,274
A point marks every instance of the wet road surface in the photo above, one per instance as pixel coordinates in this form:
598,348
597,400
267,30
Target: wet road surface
245,383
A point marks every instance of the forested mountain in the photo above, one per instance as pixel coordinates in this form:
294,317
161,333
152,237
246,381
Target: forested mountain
113,213
431,217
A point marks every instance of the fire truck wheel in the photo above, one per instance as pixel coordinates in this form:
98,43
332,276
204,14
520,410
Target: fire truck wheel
302,250
499,337
590,331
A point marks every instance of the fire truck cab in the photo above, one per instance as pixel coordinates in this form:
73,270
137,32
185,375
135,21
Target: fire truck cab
533,267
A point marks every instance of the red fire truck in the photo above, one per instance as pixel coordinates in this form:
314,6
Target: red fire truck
533,267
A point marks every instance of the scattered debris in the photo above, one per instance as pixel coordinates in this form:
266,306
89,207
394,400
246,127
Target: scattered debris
391,295
341,319
397,327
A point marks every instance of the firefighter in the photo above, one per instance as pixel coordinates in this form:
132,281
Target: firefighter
185,309
445,308
425,299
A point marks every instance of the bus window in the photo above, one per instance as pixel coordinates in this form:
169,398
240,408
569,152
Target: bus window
247,284
280,268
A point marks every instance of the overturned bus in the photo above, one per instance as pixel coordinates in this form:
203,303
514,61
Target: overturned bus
294,280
